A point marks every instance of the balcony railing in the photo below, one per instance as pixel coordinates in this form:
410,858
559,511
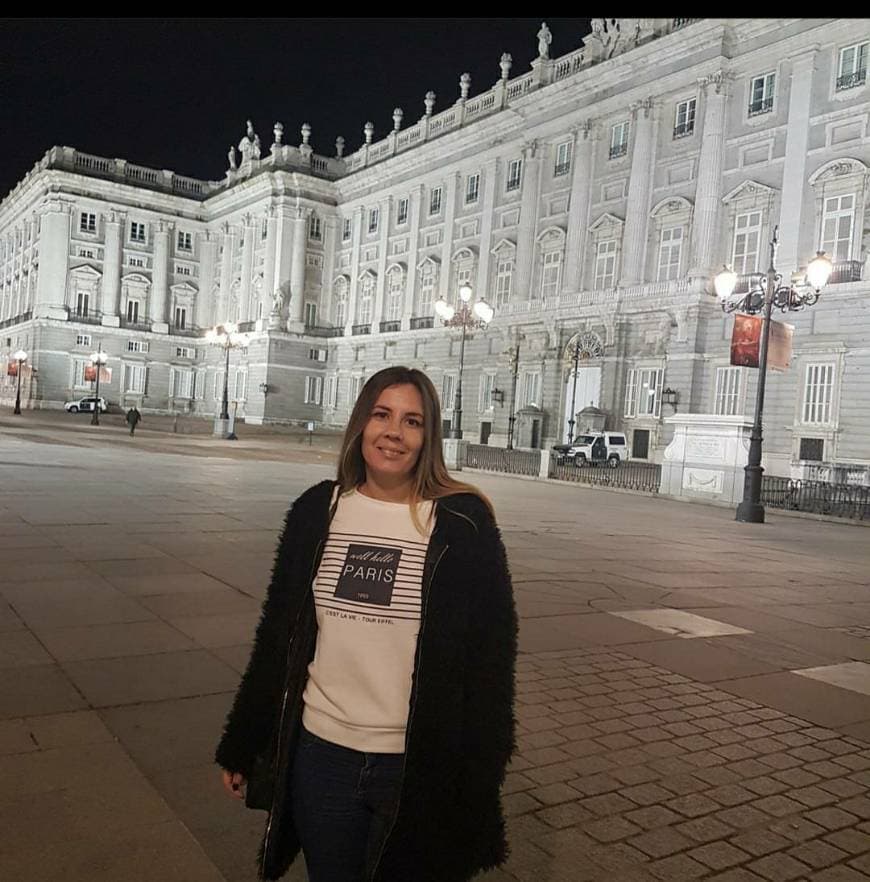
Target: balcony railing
91,317
184,332
324,331
682,22
845,271
562,169
387,327
851,80
360,330
765,105
247,327
135,325
684,129
618,149
16,319
422,321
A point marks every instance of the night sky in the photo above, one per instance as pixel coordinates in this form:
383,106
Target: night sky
175,93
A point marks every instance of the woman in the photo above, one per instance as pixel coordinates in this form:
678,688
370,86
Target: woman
381,682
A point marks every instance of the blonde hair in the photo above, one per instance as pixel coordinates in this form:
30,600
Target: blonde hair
431,480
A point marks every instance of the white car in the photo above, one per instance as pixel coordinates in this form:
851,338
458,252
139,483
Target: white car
86,405
601,447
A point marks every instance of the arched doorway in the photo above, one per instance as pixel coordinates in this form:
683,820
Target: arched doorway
588,389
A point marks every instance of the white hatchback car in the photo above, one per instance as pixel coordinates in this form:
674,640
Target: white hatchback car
86,405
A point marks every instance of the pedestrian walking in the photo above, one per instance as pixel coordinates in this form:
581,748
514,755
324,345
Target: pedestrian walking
374,721
133,417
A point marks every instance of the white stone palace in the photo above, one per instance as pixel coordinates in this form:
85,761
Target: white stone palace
590,198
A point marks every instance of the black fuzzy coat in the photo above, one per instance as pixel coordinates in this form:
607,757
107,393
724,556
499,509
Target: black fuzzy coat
449,823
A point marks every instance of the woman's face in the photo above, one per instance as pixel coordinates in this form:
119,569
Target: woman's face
393,436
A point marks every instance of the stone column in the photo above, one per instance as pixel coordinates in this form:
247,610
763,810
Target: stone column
489,176
528,220
297,271
451,184
356,246
110,292
283,250
383,245
160,279
269,286
414,202
797,132
207,256
53,261
578,211
707,192
247,269
330,241
222,310
639,189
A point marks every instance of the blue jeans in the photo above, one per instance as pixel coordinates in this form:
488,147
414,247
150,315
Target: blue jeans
343,805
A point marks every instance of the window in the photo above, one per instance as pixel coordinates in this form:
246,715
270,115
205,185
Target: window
619,140
218,388
339,303
818,393
550,274
395,296
642,395
487,384
515,174
531,389
605,263
346,229
134,378
137,346
180,317
837,223
136,261
427,289
82,300
684,120
314,228
563,159
87,222
374,219
402,212
761,94
185,241
365,301
310,314
331,399
356,384
83,339
182,270
317,354
133,311
240,386
86,253
670,249
137,232
185,352
79,365
435,200
747,235
181,384
812,449
727,397
503,280
852,70
448,391
199,385
264,227
472,189
313,390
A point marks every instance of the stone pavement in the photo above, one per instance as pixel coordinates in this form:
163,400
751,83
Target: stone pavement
694,694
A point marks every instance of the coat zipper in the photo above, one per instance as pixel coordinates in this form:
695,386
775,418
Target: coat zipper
283,718
413,707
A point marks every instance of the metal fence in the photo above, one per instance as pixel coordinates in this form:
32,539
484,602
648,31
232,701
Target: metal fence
818,497
644,476
499,459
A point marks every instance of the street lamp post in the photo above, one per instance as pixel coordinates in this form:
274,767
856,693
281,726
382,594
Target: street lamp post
20,357
228,337
98,359
467,317
576,361
766,291
515,370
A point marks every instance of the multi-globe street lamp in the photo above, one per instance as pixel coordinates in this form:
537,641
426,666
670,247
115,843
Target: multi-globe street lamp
466,316
766,291
21,358
98,359
228,337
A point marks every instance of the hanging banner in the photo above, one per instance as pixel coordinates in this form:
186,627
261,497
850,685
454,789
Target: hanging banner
91,374
12,369
746,342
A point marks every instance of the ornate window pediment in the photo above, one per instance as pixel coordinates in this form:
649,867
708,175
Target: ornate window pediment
551,237
750,191
504,248
464,253
609,222
838,168
429,261
672,205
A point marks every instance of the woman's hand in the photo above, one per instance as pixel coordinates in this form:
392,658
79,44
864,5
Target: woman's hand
234,783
